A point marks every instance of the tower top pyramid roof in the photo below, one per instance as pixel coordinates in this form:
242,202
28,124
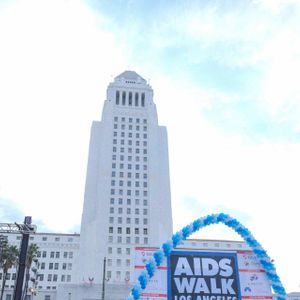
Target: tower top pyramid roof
131,76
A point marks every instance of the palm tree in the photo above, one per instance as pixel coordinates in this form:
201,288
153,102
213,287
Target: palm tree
31,255
9,258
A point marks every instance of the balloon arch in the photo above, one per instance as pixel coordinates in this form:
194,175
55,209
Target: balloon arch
181,235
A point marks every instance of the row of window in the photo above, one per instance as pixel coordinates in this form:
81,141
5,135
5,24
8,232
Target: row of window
119,250
56,254
44,238
128,201
54,277
129,175
130,127
128,193
129,149
119,220
55,266
130,98
118,262
137,136
129,158
129,183
128,210
118,275
130,120
127,240
128,230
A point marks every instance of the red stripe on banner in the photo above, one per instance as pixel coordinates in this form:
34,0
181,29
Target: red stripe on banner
142,267
257,297
253,270
244,252
146,249
154,295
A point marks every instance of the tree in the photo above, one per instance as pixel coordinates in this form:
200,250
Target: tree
31,255
9,258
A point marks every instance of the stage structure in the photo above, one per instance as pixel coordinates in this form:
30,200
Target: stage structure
168,246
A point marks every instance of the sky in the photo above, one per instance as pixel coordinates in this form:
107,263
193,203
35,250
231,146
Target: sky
225,76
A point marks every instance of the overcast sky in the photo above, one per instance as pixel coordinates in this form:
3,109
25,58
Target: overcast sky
225,76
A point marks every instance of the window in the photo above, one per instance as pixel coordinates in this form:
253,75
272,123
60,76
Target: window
55,277
137,193
128,192
63,278
111,210
119,229
137,201
108,274
113,174
112,191
127,262
70,254
44,238
109,262
52,254
145,241
68,278
120,201
137,127
136,240
110,239
144,184
44,254
145,211
127,220
50,266
119,250
64,266
136,221
128,211
128,201
128,240
145,221
120,210
111,220
112,200
56,266
119,220
136,211
115,119
145,202
143,99
117,101
127,230
65,254
123,98
8,297
42,266
136,100
130,98
145,121
129,183
118,262
130,120
110,230
123,119
128,251
145,231
49,278
69,266
57,239
109,250
136,230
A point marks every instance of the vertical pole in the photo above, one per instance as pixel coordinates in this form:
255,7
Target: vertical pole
22,262
103,278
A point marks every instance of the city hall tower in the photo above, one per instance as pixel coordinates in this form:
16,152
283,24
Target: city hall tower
127,201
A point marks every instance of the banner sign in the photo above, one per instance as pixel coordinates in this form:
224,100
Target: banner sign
194,275
250,280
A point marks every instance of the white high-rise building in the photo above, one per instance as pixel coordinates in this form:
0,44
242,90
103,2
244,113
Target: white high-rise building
127,195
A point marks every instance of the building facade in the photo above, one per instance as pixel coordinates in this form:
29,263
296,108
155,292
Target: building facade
127,199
